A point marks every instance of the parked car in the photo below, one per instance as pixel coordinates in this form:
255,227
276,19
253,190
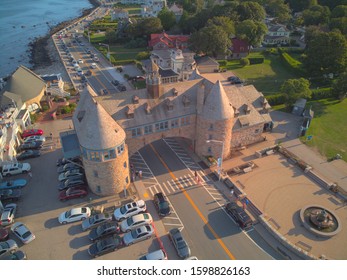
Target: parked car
28,154
7,247
105,246
34,145
162,204
13,184
35,138
96,220
155,255
67,167
10,195
89,73
15,168
15,256
31,132
74,215
129,209
79,72
103,230
73,192
179,243
71,183
75,177
4,234
93,65
239,214
22,232
136,221
63,161
138,234
115,82
235,80
7,216
80,61
121,87
103,91
70,173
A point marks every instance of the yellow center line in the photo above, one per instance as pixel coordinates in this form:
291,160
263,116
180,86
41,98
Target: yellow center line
221,243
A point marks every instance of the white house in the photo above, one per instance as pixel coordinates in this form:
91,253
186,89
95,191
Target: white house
151,8
276,35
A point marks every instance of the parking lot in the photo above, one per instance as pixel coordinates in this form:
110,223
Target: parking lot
39,208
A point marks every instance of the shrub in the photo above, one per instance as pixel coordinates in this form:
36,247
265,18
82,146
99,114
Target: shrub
126,61
244,61
33,118
223,63
45,108
256,60
293,65
126,76
143,55
276,99
322,93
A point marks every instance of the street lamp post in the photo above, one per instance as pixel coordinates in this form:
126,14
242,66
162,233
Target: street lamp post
221,158
108,50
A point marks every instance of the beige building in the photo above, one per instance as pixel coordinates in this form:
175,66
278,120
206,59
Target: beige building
205,107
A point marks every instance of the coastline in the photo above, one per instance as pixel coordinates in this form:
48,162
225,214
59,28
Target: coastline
40,56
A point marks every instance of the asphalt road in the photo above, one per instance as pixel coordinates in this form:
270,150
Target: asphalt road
209,231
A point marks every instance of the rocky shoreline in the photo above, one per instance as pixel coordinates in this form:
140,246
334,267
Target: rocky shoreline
40,52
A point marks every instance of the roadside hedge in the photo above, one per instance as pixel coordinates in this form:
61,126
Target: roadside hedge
291,63
322,93
256,60
276,99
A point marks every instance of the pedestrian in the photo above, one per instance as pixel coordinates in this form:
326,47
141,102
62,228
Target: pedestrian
232,191
133,176
51,134
196,175
140,174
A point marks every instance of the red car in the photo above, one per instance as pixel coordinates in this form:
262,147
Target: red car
31,132
73,192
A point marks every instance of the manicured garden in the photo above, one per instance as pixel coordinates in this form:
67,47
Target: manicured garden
328,127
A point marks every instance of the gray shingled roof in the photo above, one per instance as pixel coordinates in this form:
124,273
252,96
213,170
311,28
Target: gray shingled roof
95,128
7,97
217,105
25,83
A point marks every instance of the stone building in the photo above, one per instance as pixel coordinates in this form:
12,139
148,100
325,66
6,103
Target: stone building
205,107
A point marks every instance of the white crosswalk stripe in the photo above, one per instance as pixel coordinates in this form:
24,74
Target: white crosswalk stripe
172,188
166,188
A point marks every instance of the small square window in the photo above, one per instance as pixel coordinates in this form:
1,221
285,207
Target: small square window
127,180
98,189
209,150
96,174
125,164
210,137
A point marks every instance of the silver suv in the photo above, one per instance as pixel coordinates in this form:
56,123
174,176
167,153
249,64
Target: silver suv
15,168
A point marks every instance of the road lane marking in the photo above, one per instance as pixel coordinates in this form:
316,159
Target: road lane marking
219,240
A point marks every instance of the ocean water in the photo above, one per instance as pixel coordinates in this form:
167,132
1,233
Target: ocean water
21,21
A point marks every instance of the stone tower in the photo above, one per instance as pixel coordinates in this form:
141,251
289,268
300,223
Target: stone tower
215,117
153,81
102,143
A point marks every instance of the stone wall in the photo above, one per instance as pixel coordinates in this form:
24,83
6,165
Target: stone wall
221,131
246,136
112,176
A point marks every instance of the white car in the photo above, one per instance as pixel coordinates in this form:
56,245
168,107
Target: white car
7,216
155,255
80,61
74,215
93,65
79,72
129,209
22,232
69,174
136,221
15,168
35,138
138,234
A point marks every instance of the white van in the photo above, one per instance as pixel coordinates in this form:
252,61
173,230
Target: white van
15,168
155,255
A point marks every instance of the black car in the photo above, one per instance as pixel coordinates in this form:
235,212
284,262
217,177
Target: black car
17,255
105,246
10,195
30,146
235,80
162,204
28,154
121,87
71,183
239,215
115,82
104,91
63,161
68,166
103,231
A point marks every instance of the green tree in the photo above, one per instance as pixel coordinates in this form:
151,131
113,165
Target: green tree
340,86
218,41
339,19
251,31
278,9
326,52
300,5
143,55
110,36
316,15
167,18
294,89
146,27
224,22
250,10
332,3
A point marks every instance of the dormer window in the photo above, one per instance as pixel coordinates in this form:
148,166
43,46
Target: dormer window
169,104
129,111
186,101
247,109
80,115
236,112
148,109
135,99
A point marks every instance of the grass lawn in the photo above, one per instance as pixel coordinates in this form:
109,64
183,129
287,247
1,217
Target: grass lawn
328,127
134,11
266,77
121,53
97,38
